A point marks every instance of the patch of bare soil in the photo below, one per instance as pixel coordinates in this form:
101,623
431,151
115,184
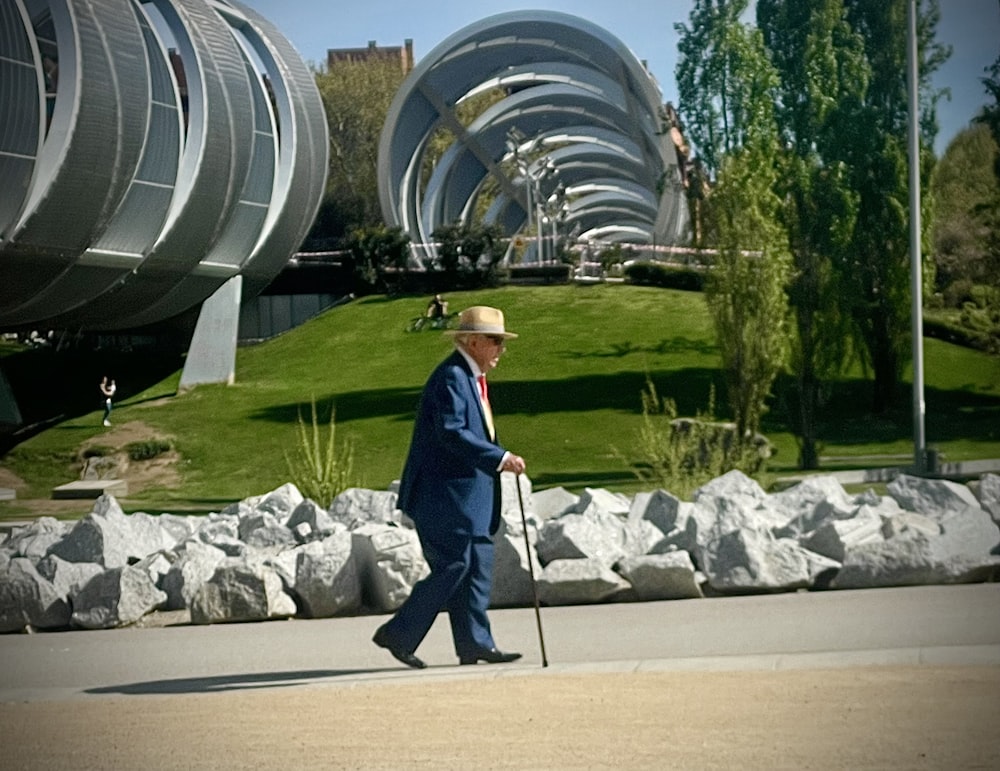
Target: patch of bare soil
159,471
120,434
9,479
142,474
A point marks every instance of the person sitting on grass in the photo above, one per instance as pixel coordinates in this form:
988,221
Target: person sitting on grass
437,309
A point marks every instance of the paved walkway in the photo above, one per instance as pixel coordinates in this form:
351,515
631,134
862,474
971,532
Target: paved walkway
936,625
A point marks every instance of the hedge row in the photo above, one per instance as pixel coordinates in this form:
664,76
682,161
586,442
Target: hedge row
667,276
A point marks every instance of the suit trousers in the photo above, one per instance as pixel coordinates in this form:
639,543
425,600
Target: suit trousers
461,575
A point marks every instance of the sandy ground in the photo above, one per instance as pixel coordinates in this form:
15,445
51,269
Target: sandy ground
877,718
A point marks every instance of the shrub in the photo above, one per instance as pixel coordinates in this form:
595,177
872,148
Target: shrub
147,449
983,320
318,469
378,252
611,256
682,454
957,293
468,254
666,276
975,325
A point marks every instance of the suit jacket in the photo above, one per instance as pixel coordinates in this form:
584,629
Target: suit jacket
450,482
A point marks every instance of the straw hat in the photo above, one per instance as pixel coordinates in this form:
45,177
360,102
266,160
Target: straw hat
481,320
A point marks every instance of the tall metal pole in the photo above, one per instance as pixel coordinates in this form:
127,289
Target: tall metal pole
916,281
527,191
538,217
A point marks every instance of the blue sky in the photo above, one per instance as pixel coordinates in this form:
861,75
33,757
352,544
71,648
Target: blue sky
971,27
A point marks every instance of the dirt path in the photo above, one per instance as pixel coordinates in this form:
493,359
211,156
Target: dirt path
878,718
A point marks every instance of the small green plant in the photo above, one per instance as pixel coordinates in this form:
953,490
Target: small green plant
681,454
147,449
318,469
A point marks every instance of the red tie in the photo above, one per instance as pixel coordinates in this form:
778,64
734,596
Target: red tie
487,411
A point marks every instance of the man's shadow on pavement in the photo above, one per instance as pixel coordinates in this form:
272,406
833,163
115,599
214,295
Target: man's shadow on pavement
236,682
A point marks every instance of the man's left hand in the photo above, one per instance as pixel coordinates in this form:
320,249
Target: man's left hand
513,463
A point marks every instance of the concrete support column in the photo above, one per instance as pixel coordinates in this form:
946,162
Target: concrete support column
212,355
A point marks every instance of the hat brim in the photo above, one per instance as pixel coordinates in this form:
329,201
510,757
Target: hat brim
486,332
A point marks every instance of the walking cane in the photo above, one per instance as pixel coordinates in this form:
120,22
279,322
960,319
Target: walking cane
531,571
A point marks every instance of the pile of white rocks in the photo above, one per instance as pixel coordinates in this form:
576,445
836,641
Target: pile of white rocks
279,555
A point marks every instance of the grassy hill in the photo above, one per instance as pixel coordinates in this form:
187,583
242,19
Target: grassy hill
566,395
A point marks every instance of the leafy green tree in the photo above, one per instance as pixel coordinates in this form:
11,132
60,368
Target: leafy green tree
468,255
709,80
746,287
356,96
728,89
981,311
967,189
991,112
991,117
874,272
380,255
843,114
823,76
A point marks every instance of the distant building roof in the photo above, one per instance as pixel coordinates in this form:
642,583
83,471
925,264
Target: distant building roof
372,51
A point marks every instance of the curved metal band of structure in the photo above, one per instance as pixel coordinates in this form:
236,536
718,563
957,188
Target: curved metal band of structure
151,150
574,108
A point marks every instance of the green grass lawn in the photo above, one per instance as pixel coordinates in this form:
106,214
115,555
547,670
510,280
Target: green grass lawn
566,394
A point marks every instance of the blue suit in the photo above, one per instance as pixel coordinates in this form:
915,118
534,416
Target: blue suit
450,489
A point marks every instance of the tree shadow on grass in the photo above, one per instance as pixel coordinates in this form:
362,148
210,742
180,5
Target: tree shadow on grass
619,391
673,345
352,405
846,417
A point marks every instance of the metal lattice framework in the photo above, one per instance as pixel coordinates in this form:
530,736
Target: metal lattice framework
578,121
183,142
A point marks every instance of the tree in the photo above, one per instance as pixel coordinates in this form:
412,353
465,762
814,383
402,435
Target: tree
967,189
727,92
709,80
356,96
823,74
981,311
467,255
379,253
874,272
843,118
746,286
991,112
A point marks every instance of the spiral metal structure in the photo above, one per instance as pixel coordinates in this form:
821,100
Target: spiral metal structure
576,121
150,150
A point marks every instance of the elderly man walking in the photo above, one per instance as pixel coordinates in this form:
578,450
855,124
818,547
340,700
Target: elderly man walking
450,488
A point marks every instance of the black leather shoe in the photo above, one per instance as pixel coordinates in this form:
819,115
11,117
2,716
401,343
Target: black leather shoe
490,656
381,639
